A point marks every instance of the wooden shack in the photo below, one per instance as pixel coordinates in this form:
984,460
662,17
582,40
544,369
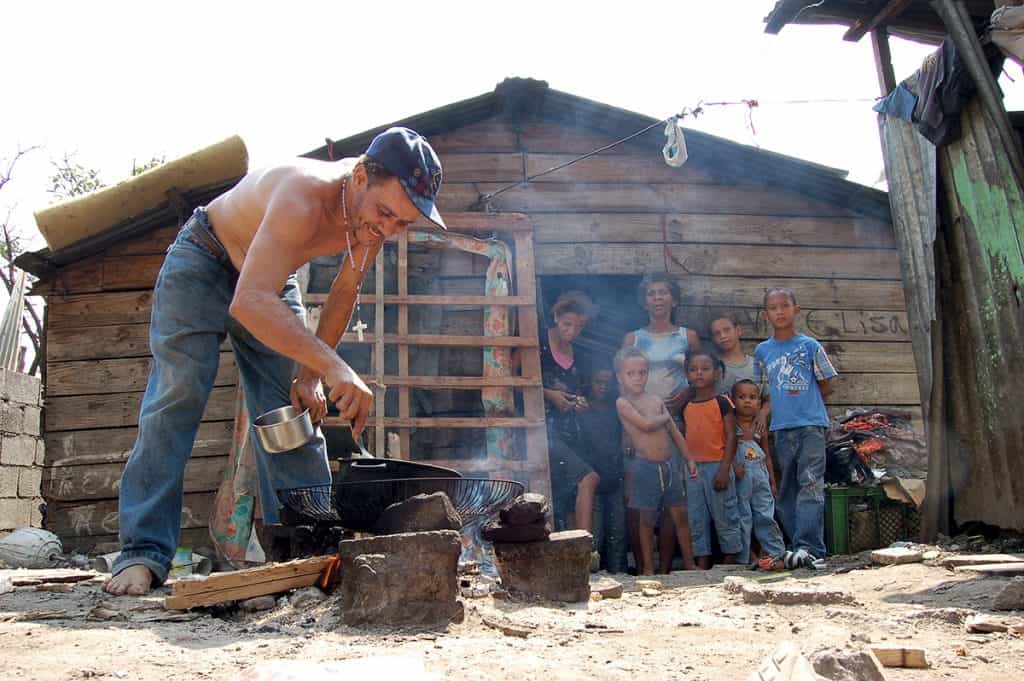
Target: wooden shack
727,224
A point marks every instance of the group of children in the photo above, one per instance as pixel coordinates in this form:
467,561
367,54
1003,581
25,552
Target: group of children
711,467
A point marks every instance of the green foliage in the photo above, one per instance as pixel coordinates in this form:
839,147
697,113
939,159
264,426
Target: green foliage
139,168
73,179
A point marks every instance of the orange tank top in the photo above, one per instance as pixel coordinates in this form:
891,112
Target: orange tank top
704,428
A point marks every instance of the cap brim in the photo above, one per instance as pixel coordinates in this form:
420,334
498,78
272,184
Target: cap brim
427,208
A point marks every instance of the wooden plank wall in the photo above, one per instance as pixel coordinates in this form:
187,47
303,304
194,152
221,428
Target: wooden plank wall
97,364
625,212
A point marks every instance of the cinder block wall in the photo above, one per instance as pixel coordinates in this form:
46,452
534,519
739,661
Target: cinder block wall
21,451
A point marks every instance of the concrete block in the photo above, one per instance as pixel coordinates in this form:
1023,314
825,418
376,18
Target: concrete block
12,418
21,388
896,556
756,594
32,420
30,482
17,450
557,569
35,512
401,579
40,452
8,482
15,513
1011,596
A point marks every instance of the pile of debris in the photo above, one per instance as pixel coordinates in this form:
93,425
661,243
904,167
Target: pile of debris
868,444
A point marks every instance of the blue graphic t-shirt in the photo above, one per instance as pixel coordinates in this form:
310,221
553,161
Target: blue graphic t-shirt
789,371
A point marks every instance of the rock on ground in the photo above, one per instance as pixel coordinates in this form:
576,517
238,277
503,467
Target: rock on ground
1011,597
306,597
498,531
421,513
557,569
525,509
847,665
755,594
896,556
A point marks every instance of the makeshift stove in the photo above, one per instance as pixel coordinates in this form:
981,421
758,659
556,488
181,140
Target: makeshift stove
315,519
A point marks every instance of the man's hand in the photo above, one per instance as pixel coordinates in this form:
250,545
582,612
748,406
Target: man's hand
581,404
350,395
761,420
721,481
308,393
560,399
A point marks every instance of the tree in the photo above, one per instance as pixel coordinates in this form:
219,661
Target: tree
11,246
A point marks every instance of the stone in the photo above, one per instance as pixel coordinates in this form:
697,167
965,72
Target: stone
497,531
786,663
650,593
17,450
8,482
12,418
649,584
986,624
930,555
15,513
1011,597
401,579
306,597
755,594
509,628
421,513
896,556
733,584
557,569
33,420
29,482
258,604
526,509
847,665
21,388
606,588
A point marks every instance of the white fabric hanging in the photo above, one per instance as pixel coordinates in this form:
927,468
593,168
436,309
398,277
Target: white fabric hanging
674,150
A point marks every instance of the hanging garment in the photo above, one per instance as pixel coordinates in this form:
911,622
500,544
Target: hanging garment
899,103
674,150
1007,32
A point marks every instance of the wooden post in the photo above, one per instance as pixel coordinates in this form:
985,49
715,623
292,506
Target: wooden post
958,22
403,330
883,60
380,437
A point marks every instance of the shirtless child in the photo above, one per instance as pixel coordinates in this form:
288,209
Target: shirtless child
653,478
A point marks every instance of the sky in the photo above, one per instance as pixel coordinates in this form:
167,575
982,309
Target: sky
112,82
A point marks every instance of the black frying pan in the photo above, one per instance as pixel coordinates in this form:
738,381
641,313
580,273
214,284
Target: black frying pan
357,464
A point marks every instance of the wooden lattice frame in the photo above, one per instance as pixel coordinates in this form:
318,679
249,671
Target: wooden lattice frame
534,468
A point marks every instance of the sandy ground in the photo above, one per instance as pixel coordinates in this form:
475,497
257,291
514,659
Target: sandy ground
693,630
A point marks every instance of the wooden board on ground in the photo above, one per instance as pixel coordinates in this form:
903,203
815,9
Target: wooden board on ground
241,584
982,559
1011,569
895,656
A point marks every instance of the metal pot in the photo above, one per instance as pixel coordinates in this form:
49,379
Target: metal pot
283,430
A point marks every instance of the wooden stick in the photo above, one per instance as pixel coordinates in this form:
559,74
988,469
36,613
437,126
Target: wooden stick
242,584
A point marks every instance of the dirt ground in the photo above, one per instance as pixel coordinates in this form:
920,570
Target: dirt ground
694,629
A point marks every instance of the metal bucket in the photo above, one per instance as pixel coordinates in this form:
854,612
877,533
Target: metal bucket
283,430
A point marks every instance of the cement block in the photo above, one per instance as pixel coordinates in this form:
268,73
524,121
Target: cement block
17,450
896,556
40,452
21,388
30,482
8,482
1011,596
401,579
557,569
35,512
12,418
33,417
15,513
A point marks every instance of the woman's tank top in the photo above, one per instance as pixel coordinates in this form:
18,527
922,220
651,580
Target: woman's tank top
666,352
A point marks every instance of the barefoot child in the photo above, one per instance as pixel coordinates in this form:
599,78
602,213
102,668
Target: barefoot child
795,372
755,488
653,478
710,429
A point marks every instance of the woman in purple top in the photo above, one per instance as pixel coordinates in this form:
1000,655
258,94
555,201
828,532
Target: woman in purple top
665,343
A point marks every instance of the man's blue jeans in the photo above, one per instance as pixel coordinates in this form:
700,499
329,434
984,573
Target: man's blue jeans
801,456
189,321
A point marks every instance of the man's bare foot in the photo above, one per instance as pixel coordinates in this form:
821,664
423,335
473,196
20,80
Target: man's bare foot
134,580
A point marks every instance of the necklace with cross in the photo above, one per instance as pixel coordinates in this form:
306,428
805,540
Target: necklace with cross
359,326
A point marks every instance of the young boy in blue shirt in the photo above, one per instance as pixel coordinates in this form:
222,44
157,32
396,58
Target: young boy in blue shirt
794,373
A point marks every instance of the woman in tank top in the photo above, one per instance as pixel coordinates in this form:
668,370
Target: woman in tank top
665,343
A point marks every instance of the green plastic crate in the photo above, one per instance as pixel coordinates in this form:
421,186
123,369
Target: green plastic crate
862,518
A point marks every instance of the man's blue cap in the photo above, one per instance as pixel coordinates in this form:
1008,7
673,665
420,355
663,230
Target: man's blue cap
407,155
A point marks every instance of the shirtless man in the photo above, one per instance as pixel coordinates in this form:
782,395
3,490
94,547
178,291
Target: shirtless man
231,272
653,478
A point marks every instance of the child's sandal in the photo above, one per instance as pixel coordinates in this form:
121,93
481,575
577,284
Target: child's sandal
771,564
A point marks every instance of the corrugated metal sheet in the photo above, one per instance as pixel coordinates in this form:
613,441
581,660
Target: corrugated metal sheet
982,301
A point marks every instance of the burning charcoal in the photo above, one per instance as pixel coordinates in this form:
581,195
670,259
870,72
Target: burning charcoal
421,513
527,509
495,531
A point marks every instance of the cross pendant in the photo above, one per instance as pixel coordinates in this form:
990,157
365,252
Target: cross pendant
359,327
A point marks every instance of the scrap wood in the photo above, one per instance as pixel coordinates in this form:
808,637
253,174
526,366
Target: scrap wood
1001,569
61,587
987,624
36,577
896,656
242,584
32,615
508,628
982,559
